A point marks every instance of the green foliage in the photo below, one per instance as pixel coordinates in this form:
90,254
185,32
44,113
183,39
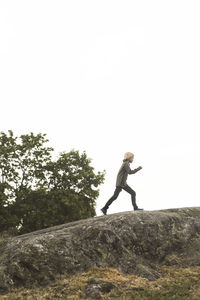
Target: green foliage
37,192
41,209
23,161
72,171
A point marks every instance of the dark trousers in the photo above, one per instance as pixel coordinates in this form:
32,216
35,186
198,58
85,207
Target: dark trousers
118,189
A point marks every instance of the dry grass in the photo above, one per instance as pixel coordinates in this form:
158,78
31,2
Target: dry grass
181,283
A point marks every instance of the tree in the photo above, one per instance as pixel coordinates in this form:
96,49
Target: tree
22,167
71,194
23,161
72,171
41,209
37,192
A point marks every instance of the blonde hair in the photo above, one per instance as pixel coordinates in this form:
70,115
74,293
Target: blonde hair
128,155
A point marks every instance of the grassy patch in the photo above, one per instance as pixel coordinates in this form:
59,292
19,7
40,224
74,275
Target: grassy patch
176,283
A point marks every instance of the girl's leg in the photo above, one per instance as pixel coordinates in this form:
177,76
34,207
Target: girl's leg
128,189
114,197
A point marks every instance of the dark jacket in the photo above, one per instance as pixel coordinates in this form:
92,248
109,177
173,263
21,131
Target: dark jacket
123,173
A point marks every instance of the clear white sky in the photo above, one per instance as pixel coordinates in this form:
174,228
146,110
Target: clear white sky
109,77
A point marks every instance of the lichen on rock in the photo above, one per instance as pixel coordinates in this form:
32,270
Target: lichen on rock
133,242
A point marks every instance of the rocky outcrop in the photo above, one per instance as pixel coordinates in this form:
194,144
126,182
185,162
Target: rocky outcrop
133,242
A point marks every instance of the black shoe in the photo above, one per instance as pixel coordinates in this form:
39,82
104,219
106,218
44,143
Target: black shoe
104,210
138,208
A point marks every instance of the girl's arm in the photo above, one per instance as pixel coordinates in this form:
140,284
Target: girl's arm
129,171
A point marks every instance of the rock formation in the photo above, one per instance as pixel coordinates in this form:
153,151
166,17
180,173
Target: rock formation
133,242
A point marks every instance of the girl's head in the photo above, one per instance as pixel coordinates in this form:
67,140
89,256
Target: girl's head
128,156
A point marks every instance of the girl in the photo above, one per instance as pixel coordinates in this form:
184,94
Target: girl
121,182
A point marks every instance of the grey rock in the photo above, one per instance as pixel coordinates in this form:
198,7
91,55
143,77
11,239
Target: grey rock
132,242
96,287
